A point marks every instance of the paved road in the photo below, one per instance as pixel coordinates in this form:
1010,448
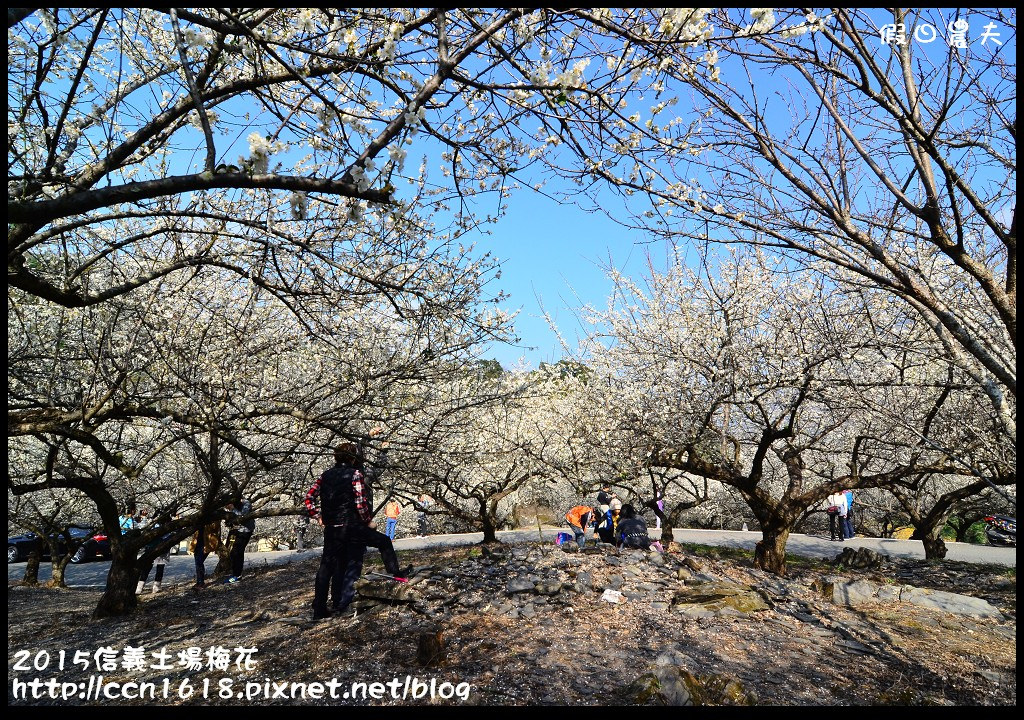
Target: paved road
182,569
802,545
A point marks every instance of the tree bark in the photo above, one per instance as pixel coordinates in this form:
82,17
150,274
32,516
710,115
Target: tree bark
57,564
666,524
224,555
490,528
666,531
57,573
770,552
31,576
931,538
119,598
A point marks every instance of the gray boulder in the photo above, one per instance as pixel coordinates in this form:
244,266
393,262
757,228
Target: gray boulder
863,592
716,596
548,587
519,585
860,558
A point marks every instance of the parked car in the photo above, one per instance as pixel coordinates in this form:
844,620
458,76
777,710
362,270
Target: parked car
95,544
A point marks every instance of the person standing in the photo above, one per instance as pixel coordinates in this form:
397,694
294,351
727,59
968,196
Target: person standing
347,517
242,528
659,500
391,512
160,561
144,570
606,523
580,518
128,519
423,503
836,505
204,542
848,521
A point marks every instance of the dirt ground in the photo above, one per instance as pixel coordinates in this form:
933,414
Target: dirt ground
572,649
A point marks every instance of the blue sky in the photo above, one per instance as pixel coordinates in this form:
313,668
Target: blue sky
554,255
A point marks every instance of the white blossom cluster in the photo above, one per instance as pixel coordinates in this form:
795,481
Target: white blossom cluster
711,363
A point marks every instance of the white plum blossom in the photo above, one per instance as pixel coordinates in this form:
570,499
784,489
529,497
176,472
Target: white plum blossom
414,116
397,155
197,39
355,212
299,203
259,152
305,20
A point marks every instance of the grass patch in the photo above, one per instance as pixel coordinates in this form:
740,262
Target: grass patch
807,563
718,553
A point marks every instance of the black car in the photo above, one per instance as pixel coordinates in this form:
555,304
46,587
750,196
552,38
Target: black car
93,544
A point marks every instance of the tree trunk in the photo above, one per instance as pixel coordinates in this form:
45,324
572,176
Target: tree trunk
934,546
118,598
770,552
490,528
57,573
666,530
56,567
224,556
31,576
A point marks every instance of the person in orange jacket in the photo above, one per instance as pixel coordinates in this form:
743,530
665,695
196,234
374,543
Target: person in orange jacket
580,518
391,512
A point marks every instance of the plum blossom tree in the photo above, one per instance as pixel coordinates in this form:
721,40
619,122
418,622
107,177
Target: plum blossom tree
147,141
50,515
161,159
190,395
883,164
769,382
482,448
930,500
217,256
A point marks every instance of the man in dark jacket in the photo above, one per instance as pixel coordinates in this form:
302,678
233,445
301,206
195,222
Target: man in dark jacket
346,513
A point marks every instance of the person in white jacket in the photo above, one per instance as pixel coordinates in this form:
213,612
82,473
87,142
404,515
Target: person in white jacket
837,509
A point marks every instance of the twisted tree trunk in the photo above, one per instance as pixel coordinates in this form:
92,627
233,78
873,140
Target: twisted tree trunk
770,552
